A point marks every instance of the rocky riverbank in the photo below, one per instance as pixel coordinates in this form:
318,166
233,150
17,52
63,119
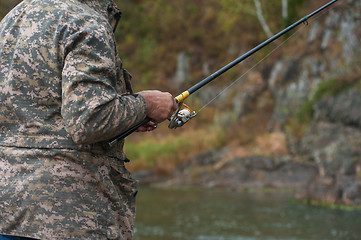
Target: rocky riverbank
214,169
316,95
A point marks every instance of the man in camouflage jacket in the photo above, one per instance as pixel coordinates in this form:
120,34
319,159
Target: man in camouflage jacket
64,94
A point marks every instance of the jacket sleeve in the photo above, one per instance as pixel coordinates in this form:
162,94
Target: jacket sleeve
95,106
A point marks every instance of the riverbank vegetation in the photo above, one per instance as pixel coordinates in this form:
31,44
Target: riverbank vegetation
211,34
151,37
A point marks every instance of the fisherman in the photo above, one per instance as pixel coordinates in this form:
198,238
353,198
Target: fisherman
64,94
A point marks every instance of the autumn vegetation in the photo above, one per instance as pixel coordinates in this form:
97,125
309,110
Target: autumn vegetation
152,34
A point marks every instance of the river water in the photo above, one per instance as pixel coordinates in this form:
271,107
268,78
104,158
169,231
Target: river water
209,214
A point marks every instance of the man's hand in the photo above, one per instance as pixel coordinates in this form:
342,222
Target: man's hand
150,126
160,105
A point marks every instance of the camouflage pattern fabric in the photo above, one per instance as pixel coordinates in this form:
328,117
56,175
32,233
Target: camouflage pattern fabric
63,95
59,194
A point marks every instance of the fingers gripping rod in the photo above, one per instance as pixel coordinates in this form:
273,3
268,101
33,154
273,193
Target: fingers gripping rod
174,122
181,97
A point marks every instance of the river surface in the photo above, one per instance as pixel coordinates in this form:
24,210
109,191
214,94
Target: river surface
206,214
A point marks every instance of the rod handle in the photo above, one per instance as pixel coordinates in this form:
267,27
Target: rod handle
125,134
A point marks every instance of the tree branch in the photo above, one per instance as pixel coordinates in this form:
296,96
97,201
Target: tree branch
261,18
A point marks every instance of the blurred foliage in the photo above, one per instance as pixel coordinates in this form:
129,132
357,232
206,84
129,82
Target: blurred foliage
150,36
152,33
165,152
6,6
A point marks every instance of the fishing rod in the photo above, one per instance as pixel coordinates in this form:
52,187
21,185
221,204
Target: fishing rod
184,113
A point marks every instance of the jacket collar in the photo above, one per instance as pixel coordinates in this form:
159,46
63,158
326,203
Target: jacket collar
106,8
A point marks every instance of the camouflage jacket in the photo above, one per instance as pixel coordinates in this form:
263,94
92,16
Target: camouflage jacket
63,94
62,84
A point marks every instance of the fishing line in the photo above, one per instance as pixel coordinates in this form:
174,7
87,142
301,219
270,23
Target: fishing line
306,23
183,115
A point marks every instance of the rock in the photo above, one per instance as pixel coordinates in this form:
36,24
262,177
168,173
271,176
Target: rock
210,170
332,139
146,177
343,108
352,194
332,147
336,190
183,71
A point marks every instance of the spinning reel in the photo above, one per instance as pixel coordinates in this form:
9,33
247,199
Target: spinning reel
181,116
